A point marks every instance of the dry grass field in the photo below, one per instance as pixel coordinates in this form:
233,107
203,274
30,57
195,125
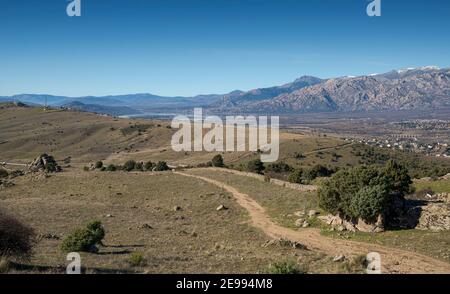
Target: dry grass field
195,239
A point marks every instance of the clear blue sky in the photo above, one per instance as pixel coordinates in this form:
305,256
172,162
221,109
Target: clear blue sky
187,47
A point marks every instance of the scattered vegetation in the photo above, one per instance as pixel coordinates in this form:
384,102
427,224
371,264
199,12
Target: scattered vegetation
286,267
255,166
307,175
84,240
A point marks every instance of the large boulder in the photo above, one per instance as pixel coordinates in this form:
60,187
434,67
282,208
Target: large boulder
435,217
45,163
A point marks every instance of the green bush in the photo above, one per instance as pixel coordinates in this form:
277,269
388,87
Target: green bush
279,167
369,202
149,166
98,165
139,166
3,173
137,259
255,166
365,192
286,268
296,177
306,176
217,161
129,165
161,166
111,168
84,240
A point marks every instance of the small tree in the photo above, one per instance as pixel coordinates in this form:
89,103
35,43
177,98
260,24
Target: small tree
98,164
129,165
217,161
255,166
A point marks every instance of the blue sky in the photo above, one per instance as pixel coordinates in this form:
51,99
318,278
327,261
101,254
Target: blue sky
188,47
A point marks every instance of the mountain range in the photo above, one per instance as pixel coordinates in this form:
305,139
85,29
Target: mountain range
407,89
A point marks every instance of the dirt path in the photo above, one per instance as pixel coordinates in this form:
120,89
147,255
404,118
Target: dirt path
393,260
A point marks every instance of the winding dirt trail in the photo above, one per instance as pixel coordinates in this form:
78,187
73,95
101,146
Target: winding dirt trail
393,260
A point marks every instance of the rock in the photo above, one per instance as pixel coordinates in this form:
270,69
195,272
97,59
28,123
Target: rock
221,207
45,163
444,197
435,217
305,224
299,213
339,258
377,227
299,222
312,213
109,215
339,224
349,226
146,226
176,208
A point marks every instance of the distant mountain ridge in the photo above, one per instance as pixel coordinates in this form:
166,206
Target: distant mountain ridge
406,89
421,88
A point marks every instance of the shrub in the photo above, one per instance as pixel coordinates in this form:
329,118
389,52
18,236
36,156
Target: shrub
217,161
139,166
86,168
365,192
129,165
279,167
286,268
161,166
368,203
149,165
3,173
296,176
84,240
16,239
111,168
255,166
98,165
137,259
